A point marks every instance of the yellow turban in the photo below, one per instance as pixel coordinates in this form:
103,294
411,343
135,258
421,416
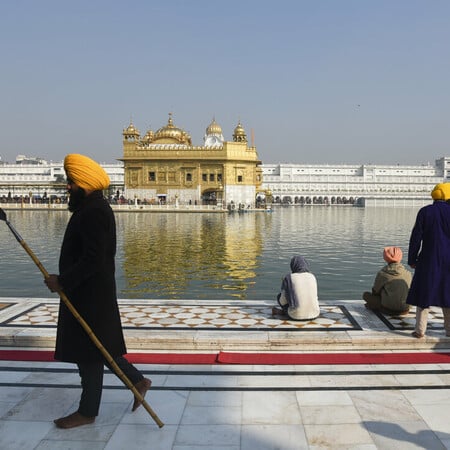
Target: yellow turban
85,172
441,192
437,193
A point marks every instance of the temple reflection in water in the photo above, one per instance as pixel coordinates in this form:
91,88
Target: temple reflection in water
164,254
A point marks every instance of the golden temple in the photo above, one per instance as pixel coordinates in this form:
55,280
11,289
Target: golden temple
164,166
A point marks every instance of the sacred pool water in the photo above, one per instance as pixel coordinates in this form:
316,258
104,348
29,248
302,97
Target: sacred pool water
218,256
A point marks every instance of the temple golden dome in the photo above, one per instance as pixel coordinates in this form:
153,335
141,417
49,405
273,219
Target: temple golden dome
239,133
130,133
214,128
171,133
148,136
131,129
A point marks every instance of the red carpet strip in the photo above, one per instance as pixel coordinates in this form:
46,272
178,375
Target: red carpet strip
136,358
332,358
253,358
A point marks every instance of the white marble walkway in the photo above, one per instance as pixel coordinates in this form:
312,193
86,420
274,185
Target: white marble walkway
234,408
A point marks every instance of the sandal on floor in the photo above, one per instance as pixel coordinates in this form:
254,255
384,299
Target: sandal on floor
417,335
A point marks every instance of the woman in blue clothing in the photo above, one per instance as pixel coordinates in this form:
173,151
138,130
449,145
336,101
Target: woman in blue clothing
429,255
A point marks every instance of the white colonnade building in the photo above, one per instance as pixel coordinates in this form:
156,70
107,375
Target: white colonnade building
296,184
361,185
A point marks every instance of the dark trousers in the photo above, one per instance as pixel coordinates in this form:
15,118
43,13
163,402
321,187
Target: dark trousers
91,374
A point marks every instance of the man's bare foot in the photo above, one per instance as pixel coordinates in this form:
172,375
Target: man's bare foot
417,335
142,387
73,420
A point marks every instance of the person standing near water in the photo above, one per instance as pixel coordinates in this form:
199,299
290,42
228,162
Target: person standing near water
429,255
87,277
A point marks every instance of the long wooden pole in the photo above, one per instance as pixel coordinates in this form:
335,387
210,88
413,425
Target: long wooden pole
87,328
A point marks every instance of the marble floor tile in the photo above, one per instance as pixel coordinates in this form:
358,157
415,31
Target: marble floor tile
12,377
56,365
214,398
14,394
275,380
335,436
47,444
384,406
209,415
201,380
346,447
318,398
71,378
208,436
427,396
290,368
43,404
319,368
138,437
445,378
347,380
196,447
26,364
270,408
15,435
273,437
233,368
167,405
329,414
5,407
436,416
418,379
122,395
101,430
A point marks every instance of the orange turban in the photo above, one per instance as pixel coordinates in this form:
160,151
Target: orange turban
85,172
392,254
441,192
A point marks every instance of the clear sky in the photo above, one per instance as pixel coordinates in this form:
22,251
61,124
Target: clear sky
318,81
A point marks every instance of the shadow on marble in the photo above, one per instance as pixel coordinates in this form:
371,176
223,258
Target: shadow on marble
404,435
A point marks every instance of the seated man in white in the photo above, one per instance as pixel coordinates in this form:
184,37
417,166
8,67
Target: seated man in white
298,297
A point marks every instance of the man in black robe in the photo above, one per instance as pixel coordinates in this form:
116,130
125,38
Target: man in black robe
87,277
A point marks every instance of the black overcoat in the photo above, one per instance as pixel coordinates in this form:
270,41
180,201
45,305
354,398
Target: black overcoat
87,276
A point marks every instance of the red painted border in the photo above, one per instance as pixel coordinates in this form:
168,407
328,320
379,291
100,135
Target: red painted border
253,358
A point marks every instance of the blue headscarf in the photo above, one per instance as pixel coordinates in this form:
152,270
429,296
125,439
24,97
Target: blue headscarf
299,264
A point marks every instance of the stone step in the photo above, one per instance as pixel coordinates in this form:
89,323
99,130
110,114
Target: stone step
223,325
